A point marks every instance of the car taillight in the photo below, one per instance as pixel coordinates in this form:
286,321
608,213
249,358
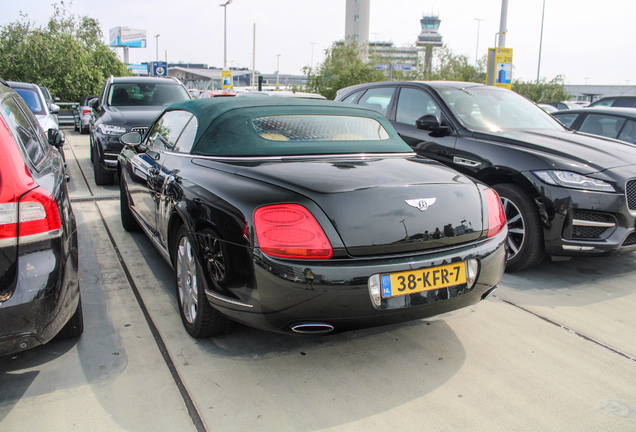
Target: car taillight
496,215
86,112
290,231
34,217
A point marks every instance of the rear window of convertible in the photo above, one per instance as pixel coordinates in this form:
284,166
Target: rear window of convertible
297,134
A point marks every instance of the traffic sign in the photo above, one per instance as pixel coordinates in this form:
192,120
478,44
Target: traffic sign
160,69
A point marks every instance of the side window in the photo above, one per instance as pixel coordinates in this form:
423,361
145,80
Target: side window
352,97
377,99
24,132
186,140
629,103
413,104
606,103
629,132
566,119
606,126
167,129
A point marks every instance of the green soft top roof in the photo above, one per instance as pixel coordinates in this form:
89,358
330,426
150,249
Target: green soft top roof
225,127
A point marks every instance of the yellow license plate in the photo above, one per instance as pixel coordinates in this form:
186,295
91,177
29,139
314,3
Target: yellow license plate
414,281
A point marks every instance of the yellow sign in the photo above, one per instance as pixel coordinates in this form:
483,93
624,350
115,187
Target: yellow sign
226,79
500,67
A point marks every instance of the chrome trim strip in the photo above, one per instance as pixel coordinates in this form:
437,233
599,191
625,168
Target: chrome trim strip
225,299
465,162
282,158
12,241
40,236
110,162
577,248
579,222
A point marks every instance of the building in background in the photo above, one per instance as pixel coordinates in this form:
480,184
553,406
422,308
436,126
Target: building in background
357,17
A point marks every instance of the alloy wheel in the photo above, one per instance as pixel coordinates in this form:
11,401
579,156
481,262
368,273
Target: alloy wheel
516,227
187,280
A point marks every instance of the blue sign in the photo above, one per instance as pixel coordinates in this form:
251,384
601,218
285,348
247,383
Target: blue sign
382,67
402,67
160,69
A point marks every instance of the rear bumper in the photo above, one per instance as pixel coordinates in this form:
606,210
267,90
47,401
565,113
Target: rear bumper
277,297
45,297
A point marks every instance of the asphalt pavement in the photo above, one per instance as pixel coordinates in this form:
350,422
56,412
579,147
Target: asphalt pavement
553,350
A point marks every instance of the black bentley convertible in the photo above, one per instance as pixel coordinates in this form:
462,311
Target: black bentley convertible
306,216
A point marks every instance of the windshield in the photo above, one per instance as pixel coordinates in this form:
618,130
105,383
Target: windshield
32,99
146,94
491,109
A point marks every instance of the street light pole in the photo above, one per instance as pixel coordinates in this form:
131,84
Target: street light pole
312,53
540,43
479,20
157,43
224,6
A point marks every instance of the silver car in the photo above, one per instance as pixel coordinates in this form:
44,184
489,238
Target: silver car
44,111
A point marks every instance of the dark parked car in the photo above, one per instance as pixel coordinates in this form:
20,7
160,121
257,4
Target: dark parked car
82,115
615,101
617,123
296,215
39,284
564,193
126,104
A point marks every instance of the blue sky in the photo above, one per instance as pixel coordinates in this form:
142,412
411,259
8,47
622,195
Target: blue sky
584,41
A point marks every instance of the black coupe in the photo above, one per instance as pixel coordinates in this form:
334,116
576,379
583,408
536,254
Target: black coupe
306,216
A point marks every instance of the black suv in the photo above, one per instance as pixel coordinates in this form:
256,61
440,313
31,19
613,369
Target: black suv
565,193
126,104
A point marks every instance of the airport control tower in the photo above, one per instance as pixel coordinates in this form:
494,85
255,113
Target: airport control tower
429,38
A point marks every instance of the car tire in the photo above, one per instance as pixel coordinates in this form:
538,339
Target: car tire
75,325
75,126
199,318
128,220
83,131
102,177
525,232
91,150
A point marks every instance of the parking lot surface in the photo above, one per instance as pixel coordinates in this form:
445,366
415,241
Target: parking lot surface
553,350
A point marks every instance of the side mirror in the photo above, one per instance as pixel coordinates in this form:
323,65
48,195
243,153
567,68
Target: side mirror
131,138
56,99
93,103
55,109
428,122
56,137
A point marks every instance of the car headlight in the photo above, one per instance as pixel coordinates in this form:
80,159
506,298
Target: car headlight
111,129
573,180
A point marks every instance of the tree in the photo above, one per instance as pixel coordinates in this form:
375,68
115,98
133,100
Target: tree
543,91
344,65
448,66
67,55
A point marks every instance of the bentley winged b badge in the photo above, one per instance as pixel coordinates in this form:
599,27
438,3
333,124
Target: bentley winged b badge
422,204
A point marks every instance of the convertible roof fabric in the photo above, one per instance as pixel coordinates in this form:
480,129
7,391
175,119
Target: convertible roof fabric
225,127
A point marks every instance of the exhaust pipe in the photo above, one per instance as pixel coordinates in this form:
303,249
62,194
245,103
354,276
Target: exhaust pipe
312,328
